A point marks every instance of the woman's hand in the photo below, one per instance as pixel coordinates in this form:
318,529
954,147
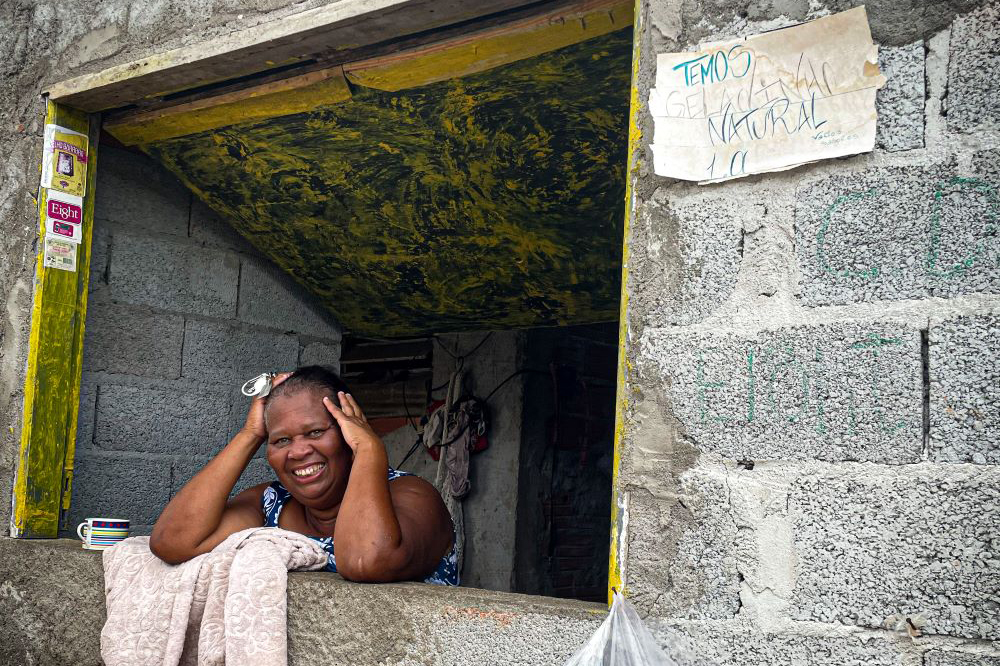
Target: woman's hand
200,517
384,531
255,416
353,424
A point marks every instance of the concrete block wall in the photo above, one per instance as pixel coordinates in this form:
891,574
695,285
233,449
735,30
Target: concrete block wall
810,437
393,624
181,312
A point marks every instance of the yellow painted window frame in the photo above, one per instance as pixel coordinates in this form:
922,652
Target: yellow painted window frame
44,476
618,553
43,484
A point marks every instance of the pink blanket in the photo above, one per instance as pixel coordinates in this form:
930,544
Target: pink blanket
226,606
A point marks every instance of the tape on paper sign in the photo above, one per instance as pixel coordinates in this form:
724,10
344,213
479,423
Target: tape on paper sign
59,254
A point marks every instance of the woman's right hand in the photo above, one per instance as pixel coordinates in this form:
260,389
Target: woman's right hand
254,424
200,516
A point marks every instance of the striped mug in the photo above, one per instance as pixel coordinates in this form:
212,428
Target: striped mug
101,533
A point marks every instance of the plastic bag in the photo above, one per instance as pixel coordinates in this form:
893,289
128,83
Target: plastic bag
621,640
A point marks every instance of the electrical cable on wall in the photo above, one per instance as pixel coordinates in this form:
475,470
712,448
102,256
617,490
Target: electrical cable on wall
416,445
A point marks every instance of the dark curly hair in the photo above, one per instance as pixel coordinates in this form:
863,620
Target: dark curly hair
312,377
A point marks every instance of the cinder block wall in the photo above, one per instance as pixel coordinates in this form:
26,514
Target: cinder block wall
812,419
181,312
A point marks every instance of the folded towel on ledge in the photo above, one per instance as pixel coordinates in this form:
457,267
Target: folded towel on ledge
224,607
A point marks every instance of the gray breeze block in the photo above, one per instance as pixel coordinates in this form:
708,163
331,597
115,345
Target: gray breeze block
973,101
832,392
921,540
181,420
898,233
174,276
965,389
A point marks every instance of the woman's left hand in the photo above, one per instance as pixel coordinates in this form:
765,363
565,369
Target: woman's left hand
353,424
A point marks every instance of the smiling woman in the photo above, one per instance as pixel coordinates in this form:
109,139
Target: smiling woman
334,485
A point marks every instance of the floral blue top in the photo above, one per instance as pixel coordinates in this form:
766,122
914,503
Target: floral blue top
276,496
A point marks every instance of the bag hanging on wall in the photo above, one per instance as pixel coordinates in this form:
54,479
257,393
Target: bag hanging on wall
621,640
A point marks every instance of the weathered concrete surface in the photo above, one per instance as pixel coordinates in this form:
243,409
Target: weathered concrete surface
217,352
160,204
319,353
965,389
872,544
122,339
676,26
52,597
941,658
268,297
973,66
733,644
413,623
173,276
682,552
768,540
154,419
901,101
52,602
831,392
688,255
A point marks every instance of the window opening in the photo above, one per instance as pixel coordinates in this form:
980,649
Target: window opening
465,217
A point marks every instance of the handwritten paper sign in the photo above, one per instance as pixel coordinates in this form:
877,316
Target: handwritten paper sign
768,102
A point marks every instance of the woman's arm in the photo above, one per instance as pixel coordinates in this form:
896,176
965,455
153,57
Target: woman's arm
384,535
199,518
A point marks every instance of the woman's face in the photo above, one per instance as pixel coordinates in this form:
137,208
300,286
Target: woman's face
305,448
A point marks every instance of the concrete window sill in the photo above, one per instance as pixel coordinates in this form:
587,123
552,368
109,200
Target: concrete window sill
52,591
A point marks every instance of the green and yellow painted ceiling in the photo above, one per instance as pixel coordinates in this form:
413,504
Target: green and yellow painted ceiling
473,184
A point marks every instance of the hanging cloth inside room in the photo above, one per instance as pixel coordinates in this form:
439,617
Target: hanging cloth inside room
454,431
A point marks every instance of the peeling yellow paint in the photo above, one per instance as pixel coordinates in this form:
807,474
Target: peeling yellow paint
615,578
55,361
296,94
492,199
477,53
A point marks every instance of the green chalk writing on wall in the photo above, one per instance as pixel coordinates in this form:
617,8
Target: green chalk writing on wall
787,384
967,253
937,228
703,387
824,228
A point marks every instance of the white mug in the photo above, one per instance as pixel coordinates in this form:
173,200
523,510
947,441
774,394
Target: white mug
102,533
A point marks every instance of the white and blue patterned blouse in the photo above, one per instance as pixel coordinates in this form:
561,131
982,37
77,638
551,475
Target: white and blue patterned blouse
276,496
